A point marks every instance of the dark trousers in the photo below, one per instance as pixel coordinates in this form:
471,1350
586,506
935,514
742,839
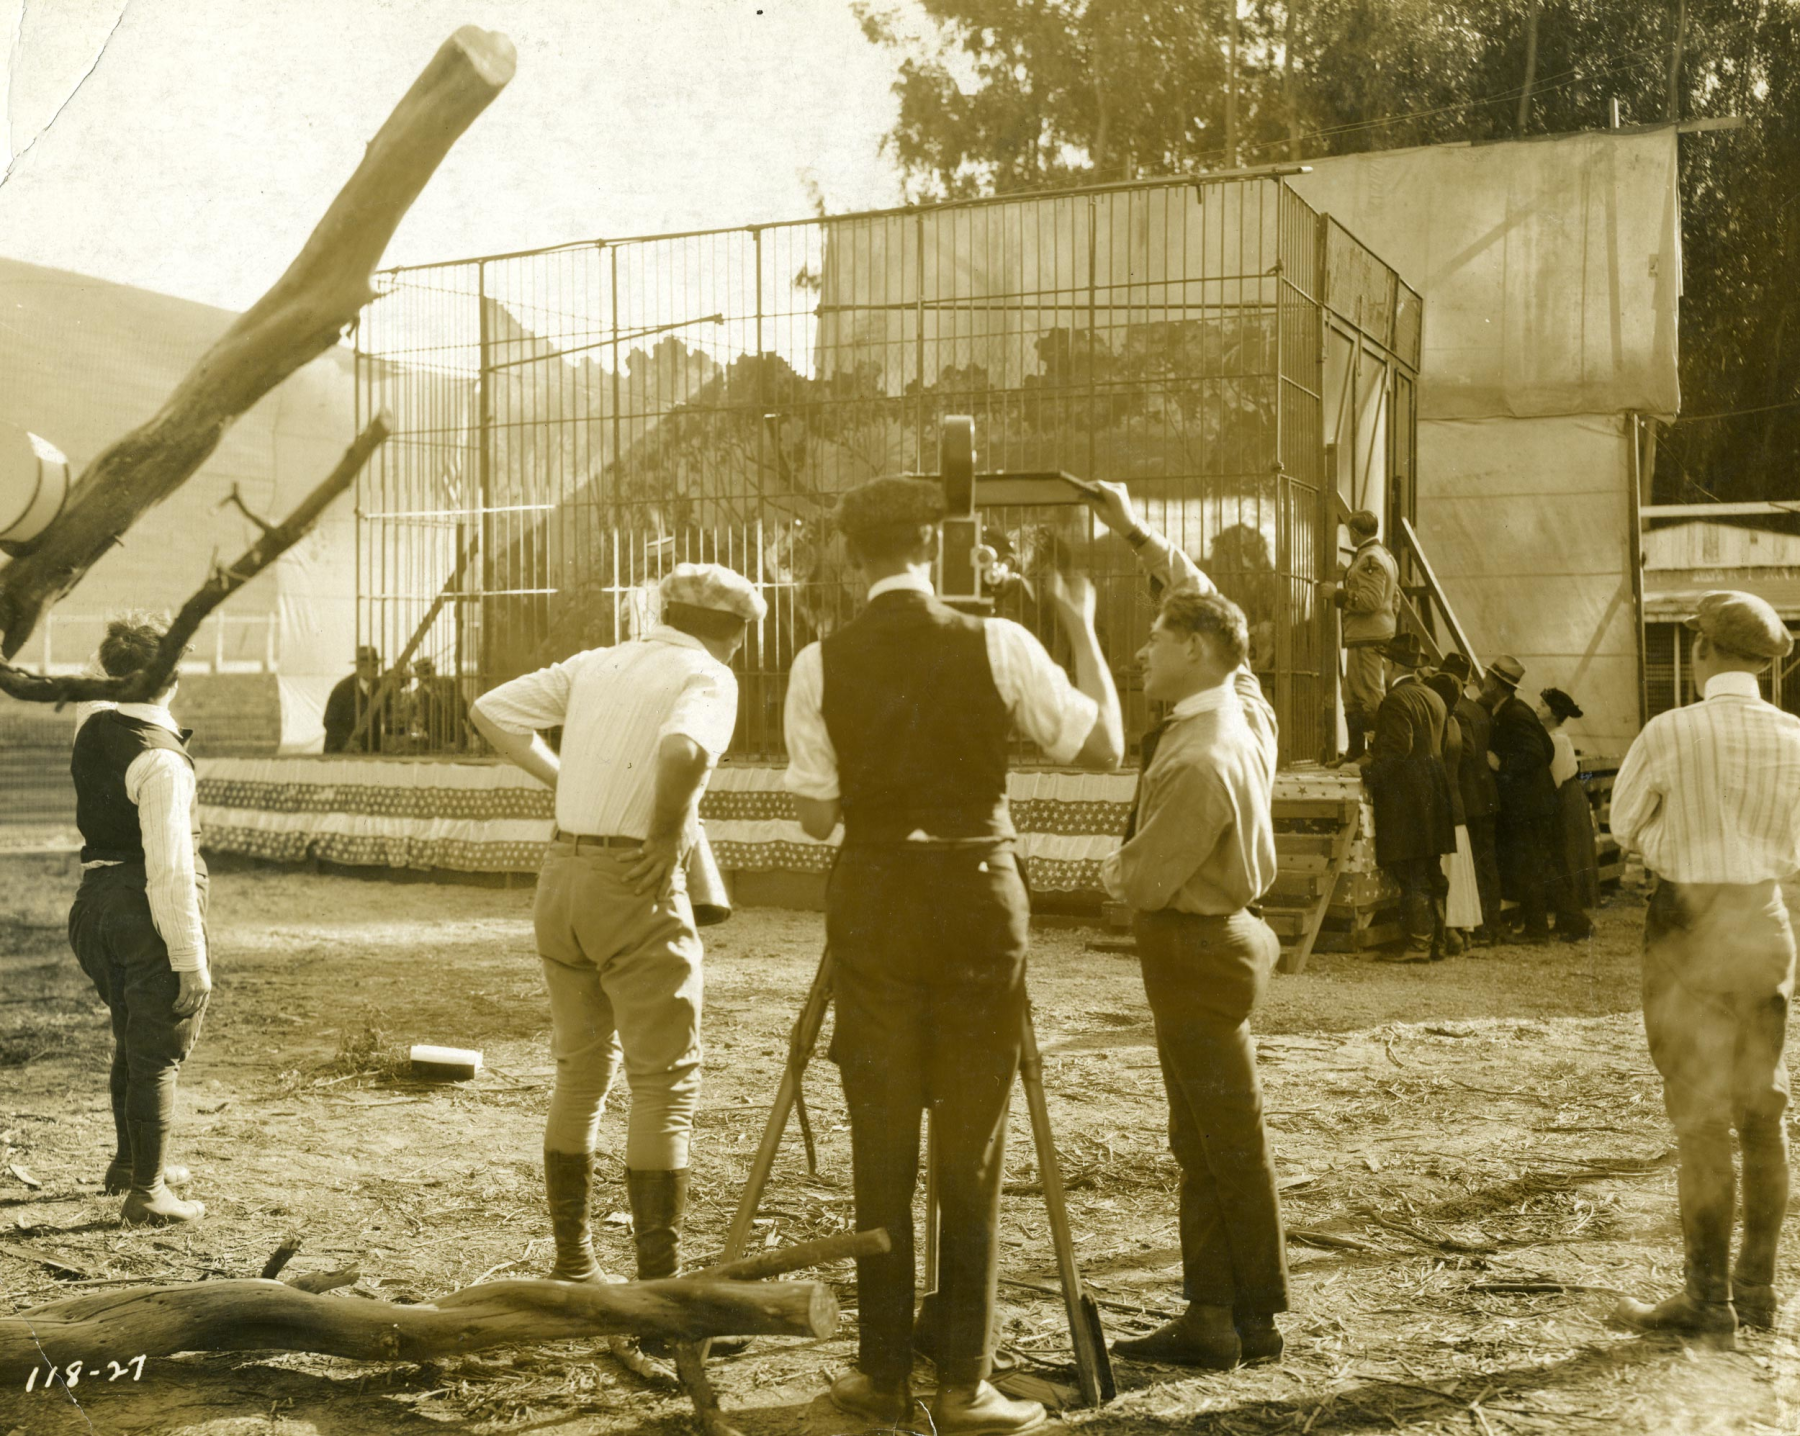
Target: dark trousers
1423,888
928,947
1718,977
1487,867
120,950
1203,977
1529,850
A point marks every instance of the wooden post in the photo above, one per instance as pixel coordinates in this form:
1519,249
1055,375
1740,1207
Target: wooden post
1672,111
1231,94
1531,37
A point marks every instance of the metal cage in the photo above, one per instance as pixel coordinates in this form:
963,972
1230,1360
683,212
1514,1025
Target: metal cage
570,422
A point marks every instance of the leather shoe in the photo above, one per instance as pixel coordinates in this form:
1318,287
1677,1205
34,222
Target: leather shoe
1680,1314
877,1402
1756,1305
1200,1336
1259,1338
977,1409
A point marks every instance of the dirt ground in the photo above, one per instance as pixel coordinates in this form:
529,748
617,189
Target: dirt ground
1465,1129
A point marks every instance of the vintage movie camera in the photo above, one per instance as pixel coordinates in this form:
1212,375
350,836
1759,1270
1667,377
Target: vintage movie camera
972,571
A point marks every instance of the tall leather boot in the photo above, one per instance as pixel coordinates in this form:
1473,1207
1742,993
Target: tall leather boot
658,1203
150,1202
569,1184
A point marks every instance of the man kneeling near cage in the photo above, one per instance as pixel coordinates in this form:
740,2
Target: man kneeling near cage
138,922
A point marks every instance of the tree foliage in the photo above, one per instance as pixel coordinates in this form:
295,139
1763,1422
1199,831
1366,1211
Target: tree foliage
1003,96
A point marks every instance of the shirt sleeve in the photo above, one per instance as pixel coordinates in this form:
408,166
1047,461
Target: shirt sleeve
531,702
162,785
705,710
1185,818
1045,706
1172,567
812,770
1636,795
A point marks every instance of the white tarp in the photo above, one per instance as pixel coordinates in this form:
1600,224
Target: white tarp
1550,269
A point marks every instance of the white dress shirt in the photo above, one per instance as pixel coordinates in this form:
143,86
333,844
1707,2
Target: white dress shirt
616,705
1045,706
161,784
1564,765
1710,793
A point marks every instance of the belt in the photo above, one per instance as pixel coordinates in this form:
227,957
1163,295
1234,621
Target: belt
595,840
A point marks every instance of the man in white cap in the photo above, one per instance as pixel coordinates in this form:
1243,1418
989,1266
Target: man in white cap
643,725
1710,795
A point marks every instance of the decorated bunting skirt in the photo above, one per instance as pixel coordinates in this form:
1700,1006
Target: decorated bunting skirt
489,817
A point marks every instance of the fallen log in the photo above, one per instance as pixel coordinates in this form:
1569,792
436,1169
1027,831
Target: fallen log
297,320
257,1315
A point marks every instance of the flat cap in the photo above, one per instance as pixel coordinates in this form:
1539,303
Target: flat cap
1508,670
712,585
1743,623
888,503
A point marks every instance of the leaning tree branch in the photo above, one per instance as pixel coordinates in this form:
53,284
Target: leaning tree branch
296,321
276,540
257,1315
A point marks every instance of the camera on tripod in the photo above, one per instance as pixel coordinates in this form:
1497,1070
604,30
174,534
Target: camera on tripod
971,571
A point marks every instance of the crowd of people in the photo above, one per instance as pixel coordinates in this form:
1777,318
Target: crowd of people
1477,793
899,726
409,708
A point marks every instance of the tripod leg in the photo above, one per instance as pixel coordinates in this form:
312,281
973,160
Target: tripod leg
1092,1363
800,1048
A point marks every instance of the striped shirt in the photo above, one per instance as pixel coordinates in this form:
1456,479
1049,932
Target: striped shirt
161,785
1710,793
616,705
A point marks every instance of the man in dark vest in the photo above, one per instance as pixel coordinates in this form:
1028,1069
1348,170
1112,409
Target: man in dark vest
1480,798
899,723
1410,793
138,922
1527,835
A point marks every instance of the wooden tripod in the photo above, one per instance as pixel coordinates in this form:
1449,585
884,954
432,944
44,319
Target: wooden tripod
1092,1364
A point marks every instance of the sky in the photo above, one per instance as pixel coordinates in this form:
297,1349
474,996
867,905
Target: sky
189,146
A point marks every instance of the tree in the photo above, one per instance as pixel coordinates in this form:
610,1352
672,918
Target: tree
999,97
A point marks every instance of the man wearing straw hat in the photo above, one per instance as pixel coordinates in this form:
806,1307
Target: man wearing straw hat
899,724
1710,795
643,725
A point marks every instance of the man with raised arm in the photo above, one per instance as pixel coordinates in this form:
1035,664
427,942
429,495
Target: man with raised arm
1198,855
644,724
899,725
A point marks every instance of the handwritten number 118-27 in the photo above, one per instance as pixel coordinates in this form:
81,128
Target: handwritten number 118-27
70,1375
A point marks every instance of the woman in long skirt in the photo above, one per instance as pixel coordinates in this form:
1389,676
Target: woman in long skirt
1462,906
1578,857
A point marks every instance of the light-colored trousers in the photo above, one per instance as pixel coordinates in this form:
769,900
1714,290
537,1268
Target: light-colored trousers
624,977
